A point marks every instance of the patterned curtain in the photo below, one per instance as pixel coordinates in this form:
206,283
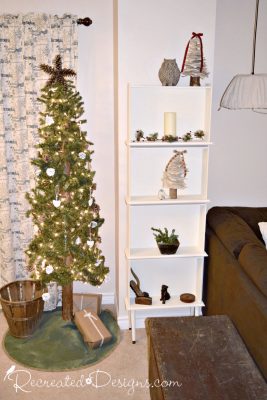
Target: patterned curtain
25,42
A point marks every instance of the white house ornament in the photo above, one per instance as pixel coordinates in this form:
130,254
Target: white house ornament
82,155
49,269
90,243
50,171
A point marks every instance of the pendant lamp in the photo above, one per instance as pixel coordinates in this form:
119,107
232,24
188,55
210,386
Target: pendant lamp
247,91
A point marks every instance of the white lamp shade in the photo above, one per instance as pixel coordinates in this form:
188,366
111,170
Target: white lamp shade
246,91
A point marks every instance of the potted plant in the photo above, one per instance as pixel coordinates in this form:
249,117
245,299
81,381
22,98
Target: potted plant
167,243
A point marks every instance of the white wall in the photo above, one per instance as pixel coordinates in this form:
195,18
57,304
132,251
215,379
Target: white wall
148,32
95,83
238,162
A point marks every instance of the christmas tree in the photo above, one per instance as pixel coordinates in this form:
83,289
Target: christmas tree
194,64
63,209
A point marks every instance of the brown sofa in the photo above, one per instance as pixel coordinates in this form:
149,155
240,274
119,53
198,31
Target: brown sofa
236,274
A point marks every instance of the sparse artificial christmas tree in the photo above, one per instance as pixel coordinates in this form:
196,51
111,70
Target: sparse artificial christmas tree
175,173
63,208
194,64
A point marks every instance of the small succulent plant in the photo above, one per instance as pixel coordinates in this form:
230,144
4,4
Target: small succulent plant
152,137
163,236
187,137
199,134
169,138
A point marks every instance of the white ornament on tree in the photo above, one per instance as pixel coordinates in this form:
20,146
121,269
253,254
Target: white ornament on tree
93,224
56,202
50,171
49,120
90,243
37,172
49,269
82,155
90,201
98,263
78,241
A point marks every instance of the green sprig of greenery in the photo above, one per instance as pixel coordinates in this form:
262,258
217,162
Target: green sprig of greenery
163,236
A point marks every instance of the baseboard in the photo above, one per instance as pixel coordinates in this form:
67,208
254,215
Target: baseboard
123,321
108,298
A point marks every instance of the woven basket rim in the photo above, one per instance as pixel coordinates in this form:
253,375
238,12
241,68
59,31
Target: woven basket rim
19,301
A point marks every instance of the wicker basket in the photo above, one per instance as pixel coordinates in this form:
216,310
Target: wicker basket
22,305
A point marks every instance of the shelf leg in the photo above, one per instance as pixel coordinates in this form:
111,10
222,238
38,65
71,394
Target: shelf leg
130,320
133,326
198,311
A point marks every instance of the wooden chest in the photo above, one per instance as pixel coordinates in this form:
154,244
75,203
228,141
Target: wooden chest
200,358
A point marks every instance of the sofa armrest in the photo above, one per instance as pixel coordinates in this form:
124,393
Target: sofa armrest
232,230
253,260
252,216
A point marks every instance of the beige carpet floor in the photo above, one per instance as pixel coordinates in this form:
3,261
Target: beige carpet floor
122,375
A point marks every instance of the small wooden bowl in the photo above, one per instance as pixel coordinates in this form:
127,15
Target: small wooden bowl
187,298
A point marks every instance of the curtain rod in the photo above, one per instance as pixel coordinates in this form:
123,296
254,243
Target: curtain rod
84,21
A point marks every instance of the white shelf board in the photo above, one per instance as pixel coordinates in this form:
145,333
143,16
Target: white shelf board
154,200
152,253
166,88
173,303
168,144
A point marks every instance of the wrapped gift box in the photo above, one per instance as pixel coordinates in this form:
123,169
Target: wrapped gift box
86,300
94,332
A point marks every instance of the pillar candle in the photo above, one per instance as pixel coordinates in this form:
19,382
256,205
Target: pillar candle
170,123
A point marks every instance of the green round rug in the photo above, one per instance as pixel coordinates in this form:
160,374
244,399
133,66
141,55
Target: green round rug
57,345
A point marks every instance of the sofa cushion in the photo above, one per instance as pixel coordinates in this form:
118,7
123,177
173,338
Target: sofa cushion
253,259
231,229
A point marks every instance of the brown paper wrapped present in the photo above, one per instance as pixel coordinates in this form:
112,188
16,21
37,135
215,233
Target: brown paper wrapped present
86,300
94,332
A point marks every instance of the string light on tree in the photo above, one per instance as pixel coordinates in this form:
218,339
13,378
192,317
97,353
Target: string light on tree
64,249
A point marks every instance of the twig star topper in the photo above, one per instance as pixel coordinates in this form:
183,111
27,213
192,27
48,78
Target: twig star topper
57,73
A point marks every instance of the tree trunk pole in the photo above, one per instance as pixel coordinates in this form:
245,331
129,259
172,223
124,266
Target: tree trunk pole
67,290
67,302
